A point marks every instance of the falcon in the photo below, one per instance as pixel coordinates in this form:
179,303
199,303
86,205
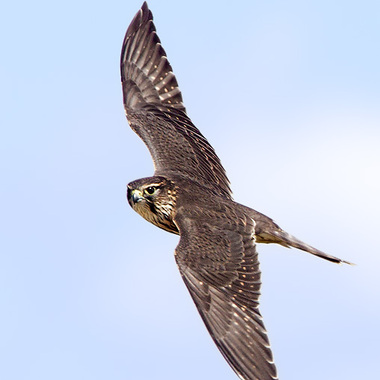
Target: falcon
189,195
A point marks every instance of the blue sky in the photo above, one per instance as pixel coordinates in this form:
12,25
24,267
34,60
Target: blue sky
288,93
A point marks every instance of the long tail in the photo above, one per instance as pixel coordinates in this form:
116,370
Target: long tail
267,231
288,240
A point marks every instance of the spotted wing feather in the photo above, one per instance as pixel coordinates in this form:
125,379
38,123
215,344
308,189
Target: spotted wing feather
155,111
219,265
144,63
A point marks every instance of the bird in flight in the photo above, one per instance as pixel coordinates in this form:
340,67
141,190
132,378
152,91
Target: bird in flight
190,195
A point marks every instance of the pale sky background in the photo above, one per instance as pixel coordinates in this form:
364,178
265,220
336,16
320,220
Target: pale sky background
288,93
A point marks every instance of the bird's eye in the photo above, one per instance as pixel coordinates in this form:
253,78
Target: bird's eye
151,190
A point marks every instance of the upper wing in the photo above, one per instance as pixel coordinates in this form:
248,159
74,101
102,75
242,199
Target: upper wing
218,261
154,108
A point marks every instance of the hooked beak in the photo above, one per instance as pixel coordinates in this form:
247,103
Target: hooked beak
134,196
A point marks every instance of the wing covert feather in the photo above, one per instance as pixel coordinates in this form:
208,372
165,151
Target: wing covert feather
155,111
219,265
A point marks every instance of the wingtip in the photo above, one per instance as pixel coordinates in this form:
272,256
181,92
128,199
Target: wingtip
145,9
143,15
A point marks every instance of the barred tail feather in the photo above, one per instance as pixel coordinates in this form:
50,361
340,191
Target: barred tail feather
289,241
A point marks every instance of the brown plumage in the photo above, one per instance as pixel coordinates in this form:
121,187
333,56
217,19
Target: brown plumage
190,195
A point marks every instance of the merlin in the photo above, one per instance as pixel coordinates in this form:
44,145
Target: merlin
189,195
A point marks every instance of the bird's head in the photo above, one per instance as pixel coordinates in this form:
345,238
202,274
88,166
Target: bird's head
154,198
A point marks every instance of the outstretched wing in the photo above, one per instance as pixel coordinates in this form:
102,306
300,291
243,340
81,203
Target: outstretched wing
218,261
154,108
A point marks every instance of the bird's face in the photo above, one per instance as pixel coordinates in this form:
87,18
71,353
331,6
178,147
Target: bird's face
154,199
